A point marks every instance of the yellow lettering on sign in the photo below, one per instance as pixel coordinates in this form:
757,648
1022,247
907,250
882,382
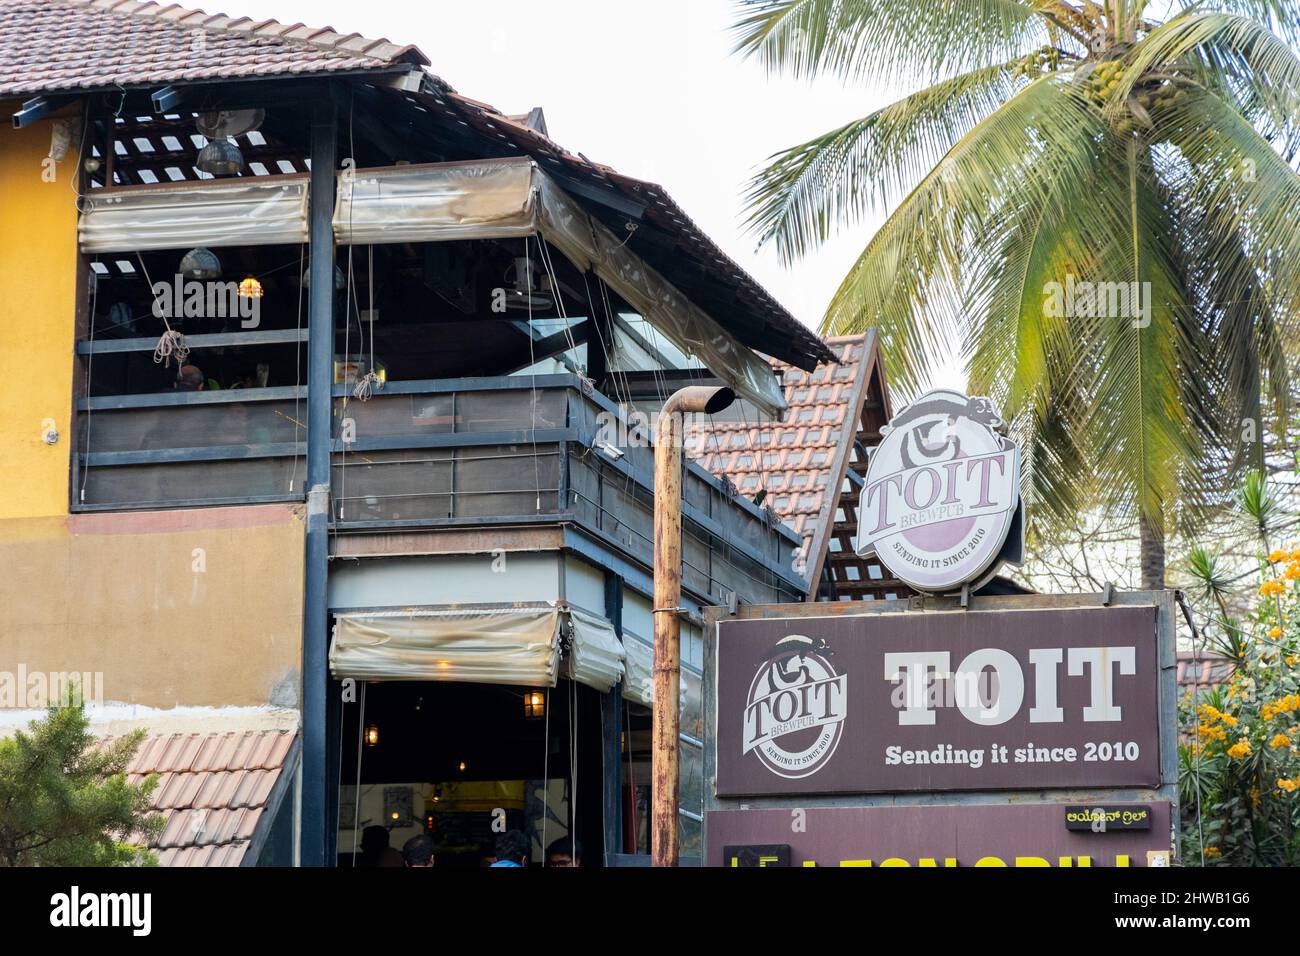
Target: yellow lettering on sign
989,861
855,862
1031,861
929,861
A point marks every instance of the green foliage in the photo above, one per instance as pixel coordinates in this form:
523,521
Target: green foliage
65,799
1057,144
1239,769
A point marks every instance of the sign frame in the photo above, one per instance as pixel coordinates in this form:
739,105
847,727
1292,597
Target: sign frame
1166,791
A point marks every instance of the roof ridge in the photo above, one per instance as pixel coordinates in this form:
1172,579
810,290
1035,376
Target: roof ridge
381,49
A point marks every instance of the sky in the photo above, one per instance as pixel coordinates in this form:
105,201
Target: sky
650,89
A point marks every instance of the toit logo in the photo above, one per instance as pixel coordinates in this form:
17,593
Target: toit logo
942,493
794,712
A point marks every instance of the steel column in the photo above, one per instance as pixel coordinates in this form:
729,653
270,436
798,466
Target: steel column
320,348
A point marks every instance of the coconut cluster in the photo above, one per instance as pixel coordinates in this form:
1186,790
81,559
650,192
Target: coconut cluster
1046,58
1150,95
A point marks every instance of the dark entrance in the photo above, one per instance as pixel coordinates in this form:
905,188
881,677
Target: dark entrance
462,761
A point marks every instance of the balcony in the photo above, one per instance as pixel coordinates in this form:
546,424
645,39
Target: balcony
444,453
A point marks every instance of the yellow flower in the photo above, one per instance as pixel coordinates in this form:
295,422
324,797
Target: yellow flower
1213,851
1239,750
1269,588
1292,571
1275,632
1280,741
1283,705
1278,555
1290,786
1291,659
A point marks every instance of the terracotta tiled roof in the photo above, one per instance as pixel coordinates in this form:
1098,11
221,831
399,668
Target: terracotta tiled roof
803,462
1203,670
214,790
75,45
66,46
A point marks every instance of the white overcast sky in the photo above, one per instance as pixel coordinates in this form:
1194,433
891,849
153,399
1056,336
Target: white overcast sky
651,89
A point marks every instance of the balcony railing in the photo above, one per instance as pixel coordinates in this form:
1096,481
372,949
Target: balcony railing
436,453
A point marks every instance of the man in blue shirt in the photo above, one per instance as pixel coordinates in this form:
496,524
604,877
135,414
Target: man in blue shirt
513,849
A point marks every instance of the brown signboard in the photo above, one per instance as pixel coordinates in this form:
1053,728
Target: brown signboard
1029,834
938,701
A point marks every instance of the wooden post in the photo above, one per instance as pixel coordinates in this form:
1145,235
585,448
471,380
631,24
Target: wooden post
665,754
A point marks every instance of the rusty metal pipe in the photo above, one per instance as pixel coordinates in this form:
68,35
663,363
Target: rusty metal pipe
666,771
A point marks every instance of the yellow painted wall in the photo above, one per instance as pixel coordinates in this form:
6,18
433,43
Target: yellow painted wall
38,277
197,607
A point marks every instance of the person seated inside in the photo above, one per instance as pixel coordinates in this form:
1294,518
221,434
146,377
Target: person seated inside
417,852
375,849
513,849
565,851
189,378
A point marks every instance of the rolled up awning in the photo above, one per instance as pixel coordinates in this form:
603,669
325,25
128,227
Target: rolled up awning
638,685
436,202
638,679
245,212
595,655
500,645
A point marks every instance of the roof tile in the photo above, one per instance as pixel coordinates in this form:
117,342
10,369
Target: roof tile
213,790
74,45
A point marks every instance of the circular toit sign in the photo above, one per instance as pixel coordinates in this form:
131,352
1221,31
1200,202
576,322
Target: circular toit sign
795,708
942,493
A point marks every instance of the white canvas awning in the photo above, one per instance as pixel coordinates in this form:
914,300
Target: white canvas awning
436,203
638,685
246,212
500,645
595,655
638,680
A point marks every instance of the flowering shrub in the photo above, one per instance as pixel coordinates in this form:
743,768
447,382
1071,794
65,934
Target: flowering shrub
1240,762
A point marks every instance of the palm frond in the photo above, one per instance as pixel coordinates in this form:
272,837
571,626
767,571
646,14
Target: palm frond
908,281
881,40
807,191
1249,195
1280,15
1261,70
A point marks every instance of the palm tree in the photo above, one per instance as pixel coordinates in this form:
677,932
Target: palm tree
1058,152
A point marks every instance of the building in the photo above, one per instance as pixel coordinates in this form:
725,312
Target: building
322,390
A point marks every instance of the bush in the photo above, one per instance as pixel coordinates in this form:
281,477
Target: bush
1240,764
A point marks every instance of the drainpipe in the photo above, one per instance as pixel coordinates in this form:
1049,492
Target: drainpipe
320,354
668,626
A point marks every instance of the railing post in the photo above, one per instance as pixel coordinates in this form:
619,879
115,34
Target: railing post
316,836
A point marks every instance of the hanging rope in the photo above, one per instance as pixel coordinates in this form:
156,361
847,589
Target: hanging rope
356,802
297,384
546,773
172,344
573,762
370,382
